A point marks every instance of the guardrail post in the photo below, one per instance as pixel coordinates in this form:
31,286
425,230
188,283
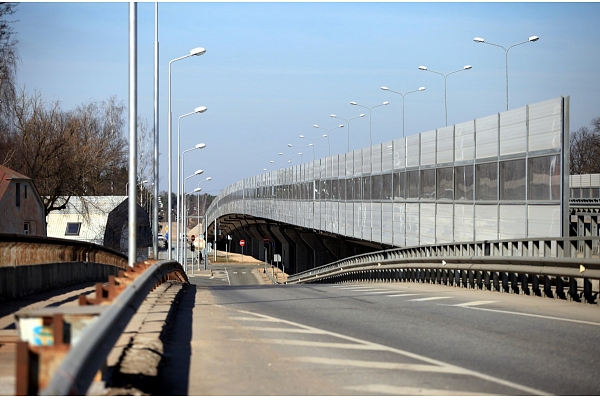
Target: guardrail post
535,285
496,280
588,296
514,283
573,295
504,276
560,285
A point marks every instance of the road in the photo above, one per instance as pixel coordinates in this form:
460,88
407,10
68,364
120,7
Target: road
236,336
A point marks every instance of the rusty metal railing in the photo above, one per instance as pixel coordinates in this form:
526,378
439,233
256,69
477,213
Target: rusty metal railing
75,351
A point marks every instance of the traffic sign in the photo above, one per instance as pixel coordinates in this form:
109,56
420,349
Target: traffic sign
266,239
242,242
193,238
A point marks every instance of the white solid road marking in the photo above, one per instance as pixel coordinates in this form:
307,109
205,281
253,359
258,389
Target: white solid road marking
430,298
307,343
404,295
375,346
474,303
412,391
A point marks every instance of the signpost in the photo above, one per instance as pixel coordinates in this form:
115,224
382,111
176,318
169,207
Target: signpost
242,243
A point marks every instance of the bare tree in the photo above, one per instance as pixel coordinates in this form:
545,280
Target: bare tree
585,149
78,153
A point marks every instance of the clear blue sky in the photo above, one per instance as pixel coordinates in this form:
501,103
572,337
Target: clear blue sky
273,70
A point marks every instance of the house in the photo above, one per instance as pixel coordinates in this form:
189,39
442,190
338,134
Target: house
83,219
22,210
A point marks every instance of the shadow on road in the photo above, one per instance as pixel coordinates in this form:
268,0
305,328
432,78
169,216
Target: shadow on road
174,370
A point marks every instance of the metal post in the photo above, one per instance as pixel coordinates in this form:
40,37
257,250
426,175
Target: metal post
155,204
132,134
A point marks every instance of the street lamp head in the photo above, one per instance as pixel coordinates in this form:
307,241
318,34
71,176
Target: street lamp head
197,190
534,39
289,145
200,109
301,136
479,40
361,115
198,51
333,115
422,88
200,146
280,154
310,145
341,126
385,103
423,68
315,126
467,67
353,103
384,88
209,179
199,172
325,135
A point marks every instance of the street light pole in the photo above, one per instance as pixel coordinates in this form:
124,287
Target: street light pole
348,121
422,68
198,51
327,136
531,39
418,90
200,109
385,103
198,146
184,252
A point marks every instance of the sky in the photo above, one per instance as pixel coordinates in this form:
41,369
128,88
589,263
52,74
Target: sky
272,70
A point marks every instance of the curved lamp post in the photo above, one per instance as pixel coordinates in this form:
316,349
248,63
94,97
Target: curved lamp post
348,121
466,67
389,90
198,51
327,136
385,103
198,146
183,260
314,139
531,39
200,109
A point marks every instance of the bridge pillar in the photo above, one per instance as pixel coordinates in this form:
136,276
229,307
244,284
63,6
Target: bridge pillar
282,247
321,254
256,243
302,257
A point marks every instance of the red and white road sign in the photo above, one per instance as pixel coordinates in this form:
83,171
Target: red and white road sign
242,242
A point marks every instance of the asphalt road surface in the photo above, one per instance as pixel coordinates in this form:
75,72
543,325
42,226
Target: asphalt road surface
235,335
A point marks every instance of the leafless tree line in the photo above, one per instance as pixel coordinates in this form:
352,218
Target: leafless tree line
585,149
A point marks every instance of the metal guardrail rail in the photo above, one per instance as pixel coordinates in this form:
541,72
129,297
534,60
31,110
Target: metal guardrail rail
542,267
113,306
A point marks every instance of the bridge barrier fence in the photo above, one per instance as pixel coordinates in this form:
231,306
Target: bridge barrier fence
31,264
542,267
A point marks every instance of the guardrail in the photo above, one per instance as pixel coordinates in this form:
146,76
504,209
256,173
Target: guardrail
104,317
541,267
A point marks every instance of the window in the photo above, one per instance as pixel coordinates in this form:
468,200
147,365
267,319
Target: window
428,184
463,182
544,178
486,181
512,180
25,191
18,190
399,184
412,186
444,184
73,228
26,227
